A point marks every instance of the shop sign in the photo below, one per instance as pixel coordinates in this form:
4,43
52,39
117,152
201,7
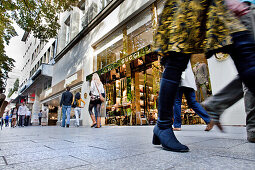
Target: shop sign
31,98
127,59
70,80
48,92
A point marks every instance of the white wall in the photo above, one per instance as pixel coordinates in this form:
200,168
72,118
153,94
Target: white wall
221,73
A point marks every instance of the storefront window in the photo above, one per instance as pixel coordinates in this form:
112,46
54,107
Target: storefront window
109,50
139,30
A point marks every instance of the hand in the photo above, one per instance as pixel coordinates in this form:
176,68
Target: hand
237,7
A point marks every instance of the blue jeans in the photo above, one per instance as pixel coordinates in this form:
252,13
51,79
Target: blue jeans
192,103
66,110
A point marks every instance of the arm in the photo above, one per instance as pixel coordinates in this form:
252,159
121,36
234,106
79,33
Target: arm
61,101
83,102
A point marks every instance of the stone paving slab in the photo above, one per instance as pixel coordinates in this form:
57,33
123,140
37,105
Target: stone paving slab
50,163
114,147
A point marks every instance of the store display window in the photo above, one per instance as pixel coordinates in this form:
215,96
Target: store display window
109,50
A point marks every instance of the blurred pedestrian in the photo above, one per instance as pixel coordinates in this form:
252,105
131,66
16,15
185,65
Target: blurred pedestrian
65,103
235,90
22,112
188,87
14,117
40,117
190,27
27,120
97,95
6,119
77,107
44,117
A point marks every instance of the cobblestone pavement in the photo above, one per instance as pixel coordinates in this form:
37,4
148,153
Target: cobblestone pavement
113,147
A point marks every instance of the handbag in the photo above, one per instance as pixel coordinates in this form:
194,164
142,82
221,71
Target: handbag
100,95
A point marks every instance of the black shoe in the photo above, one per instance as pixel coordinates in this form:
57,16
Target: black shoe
167,139
67,125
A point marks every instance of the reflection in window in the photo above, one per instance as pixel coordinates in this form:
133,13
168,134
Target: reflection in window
68,31
110,55
90,9
109,50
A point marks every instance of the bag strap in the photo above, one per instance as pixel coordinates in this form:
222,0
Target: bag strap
97,89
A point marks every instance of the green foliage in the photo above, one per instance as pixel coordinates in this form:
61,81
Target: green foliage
15,88
37,16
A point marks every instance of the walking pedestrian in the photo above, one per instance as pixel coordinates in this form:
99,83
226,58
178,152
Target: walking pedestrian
14,117
65,103
196,26
44,117
97,94
236,90
6,119
22,112
27,120
40,117
188,87
77,107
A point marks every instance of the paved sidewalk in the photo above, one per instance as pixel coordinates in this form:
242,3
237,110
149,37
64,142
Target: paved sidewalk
113,147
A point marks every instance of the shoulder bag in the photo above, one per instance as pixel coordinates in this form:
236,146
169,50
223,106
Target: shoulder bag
100,95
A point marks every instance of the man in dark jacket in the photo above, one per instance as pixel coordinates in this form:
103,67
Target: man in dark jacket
66,101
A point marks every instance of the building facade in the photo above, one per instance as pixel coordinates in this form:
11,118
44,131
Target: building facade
112,38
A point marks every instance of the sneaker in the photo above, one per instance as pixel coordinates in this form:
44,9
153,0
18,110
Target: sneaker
67,125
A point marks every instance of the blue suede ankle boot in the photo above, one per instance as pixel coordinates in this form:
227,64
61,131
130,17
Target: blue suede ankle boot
163,132
167,139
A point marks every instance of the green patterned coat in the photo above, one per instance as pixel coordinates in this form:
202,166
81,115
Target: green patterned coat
195,26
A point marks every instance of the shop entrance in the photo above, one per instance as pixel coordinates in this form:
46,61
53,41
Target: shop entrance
146,111
53,116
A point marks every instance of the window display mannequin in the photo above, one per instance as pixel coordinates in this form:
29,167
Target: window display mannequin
201,77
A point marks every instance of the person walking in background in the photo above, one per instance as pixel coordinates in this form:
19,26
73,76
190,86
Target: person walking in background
6,119
22,112
44,117
235,90
205,27
188,87
27,120
40,117
77,107
14,117
96,94
65,103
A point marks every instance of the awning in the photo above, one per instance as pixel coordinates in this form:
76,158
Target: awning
127,59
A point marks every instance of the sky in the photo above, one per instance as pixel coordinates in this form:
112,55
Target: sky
15,50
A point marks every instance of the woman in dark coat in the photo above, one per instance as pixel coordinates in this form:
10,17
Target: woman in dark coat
189,27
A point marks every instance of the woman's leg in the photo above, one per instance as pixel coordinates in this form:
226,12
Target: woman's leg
91,105
243,54
98,116
192,103
177,109
76,111
175,64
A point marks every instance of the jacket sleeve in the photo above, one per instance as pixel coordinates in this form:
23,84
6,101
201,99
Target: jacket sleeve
61,101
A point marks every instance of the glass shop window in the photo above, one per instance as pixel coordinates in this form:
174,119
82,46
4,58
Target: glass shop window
139,30
109,50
